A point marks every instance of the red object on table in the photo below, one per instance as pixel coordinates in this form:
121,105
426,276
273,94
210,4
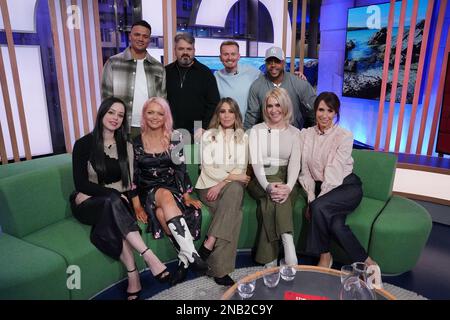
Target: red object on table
291,295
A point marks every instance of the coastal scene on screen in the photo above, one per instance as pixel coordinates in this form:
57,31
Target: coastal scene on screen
366,44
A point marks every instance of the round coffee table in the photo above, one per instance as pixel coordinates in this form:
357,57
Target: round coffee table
310,281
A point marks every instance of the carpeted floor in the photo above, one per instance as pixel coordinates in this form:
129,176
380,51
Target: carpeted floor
204,288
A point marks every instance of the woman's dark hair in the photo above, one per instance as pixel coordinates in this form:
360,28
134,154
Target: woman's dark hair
97,157
331,100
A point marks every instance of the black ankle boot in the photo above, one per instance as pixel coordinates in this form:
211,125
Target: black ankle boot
204,252
179,275
224,281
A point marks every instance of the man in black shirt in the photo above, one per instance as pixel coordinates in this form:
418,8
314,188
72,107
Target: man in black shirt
191,87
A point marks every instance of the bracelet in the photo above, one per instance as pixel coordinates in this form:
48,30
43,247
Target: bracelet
227,180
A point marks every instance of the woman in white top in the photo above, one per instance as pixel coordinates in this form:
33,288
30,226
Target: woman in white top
221,187
333,189
275,157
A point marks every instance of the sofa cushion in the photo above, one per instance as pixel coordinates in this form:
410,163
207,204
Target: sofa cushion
34,165
377,171
70,239
28,271
33,200
399,235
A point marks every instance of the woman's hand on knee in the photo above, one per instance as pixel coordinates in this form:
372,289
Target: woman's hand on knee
188,201
81,197
141,215
213,193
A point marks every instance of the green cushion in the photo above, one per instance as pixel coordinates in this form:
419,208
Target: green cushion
399,235
70,239
376,170
33,200
30,272
360,220
35,164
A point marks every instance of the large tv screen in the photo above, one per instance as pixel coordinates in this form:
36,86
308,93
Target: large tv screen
365,46
310,68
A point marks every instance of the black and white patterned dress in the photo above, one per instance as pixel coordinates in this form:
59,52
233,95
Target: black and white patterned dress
164,170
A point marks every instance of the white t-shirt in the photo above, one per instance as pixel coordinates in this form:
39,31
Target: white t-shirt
140,93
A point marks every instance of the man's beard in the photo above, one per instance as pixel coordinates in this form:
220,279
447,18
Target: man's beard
185,61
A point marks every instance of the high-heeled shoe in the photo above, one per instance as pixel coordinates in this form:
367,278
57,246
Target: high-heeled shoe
224,281
163,276
133,295
179,275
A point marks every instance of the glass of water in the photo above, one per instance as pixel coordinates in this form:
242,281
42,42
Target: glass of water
246,288
287,272
271,278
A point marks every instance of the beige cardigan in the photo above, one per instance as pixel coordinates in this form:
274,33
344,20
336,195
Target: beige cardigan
220,157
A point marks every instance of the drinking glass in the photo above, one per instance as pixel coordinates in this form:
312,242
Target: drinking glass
357,269
287,272
246,288
271,279
353,288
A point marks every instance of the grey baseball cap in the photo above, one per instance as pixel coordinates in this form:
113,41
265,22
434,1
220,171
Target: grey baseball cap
275,52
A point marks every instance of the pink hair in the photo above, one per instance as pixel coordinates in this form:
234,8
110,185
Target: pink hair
168,119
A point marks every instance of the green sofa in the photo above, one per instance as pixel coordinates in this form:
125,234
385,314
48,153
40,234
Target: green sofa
40,240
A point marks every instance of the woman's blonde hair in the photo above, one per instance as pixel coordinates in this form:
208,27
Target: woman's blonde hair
238,127
282,96
168,119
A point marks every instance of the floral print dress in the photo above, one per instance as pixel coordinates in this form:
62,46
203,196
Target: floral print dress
164,170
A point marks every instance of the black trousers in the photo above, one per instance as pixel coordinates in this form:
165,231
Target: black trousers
111,219
328,214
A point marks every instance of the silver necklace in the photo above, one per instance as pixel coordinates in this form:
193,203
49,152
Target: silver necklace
182,78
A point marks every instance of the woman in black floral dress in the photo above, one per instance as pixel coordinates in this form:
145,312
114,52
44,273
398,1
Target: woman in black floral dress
163,186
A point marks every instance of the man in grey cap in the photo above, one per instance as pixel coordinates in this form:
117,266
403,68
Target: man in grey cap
300,91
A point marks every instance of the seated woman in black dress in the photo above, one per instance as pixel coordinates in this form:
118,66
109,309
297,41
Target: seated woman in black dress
164,186
102,162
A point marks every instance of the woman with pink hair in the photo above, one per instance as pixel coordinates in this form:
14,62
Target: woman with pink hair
164,187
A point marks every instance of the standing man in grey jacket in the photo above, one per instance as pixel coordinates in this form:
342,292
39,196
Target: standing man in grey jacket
300,91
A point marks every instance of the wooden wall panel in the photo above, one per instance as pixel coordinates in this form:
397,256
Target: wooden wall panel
423,50
70,72
431,70
387,54
89,57
302,35
406,76
59,76
294,34
16,78
8,110
80,73
439,100
285,17
398,51
98,39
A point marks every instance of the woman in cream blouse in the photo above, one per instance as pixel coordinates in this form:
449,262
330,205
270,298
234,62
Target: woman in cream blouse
221,187
333,189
